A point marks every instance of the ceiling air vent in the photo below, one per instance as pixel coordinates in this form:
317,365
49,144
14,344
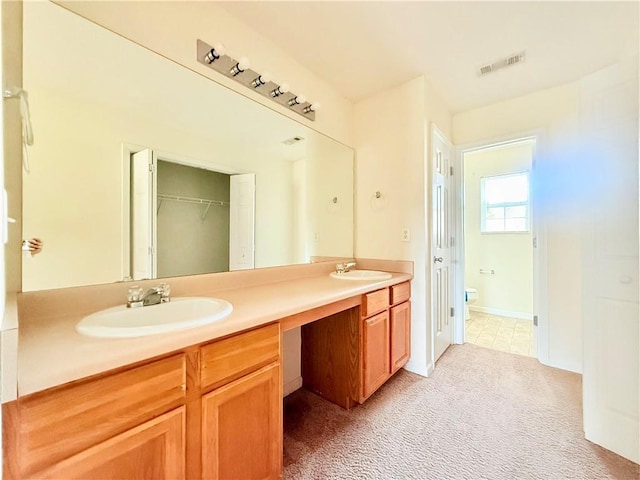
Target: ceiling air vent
497,65
292,140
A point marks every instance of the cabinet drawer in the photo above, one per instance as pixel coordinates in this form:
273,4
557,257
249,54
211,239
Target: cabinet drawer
375,302
228,359
400,293
61,422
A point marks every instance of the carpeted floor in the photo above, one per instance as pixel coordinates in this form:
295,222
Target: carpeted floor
483,414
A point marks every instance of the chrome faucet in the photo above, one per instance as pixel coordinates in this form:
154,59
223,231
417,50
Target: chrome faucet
344,267
136,297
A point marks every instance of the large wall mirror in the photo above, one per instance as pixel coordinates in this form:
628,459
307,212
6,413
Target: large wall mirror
142,168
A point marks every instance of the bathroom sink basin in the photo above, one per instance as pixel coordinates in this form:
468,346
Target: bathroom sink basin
179,314
370,275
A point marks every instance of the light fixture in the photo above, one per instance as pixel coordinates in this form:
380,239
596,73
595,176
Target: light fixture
215,53
240,66
334,205
216,58
280,90
261,79
378,201
296,100
312,107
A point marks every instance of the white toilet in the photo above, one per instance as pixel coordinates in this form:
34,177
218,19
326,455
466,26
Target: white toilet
470,296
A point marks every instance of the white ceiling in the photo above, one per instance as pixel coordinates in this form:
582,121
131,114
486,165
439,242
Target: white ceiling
363,47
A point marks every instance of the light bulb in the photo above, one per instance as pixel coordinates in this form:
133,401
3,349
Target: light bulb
240,67
314,107
244,63
265,77
215,53
220,49
297,100
261,79
280,90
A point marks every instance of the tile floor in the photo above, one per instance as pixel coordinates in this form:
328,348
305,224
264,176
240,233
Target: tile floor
501,333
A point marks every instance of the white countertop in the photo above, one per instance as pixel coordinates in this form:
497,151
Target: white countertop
51,353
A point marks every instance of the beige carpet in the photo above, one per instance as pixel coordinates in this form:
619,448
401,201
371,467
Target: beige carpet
483,414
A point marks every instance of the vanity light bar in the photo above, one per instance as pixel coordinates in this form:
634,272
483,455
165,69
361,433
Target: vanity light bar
216,59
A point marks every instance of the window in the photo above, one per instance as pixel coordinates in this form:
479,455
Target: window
505,203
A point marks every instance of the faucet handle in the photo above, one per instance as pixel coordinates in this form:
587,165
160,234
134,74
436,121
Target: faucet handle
164,290
135,293
134,296
340,267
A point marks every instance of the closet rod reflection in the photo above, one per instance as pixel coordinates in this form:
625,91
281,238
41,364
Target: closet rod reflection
203,201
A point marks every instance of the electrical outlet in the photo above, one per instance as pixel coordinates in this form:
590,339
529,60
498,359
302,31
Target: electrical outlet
406,235
316,236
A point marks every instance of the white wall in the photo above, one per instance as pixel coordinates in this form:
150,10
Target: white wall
509,291
554,112
392,138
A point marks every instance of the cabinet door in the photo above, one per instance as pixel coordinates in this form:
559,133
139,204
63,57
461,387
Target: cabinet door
242,428
375,353
400,335
154,449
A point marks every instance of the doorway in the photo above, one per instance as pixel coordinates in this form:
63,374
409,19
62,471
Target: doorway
183,217
498,247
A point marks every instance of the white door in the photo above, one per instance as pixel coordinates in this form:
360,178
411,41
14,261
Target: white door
441,301
143,215
609,113
242,221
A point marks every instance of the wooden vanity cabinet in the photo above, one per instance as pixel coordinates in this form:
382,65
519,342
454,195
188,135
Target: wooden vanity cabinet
108,426
210,411
375,345
242,419
347,356
400,329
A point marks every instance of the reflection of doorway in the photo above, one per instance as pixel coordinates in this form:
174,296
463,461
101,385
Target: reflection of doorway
185,220
498,244
193,220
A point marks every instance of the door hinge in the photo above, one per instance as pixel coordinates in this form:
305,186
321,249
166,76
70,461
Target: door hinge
451,171
152,250
535,242
151,167
535,320
453,242
452,311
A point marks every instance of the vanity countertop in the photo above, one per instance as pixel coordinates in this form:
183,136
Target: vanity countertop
51,353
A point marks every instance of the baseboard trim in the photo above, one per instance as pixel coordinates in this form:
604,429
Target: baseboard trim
291,386
502,313
423,370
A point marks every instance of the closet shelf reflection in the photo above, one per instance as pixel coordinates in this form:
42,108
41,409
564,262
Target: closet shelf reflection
200,201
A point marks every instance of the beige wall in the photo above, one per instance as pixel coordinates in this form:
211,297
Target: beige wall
393,138
510,290
329,226
147,23
555,114
12,145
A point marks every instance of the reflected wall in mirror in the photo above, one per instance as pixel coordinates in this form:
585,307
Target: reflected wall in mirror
98,99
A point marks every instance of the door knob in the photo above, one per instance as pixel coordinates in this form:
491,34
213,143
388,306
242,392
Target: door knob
437,259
